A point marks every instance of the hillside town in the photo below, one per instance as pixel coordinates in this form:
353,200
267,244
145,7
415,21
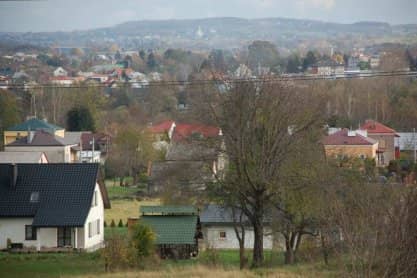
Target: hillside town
222,146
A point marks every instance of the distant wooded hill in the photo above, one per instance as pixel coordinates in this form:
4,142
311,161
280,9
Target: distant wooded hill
221,33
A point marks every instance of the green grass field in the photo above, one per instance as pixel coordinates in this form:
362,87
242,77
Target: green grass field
49,265
91,265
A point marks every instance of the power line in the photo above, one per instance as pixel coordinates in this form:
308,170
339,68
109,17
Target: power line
227,81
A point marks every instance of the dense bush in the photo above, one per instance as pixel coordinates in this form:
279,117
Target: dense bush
134,251
142,239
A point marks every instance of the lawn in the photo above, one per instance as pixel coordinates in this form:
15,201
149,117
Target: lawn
49,265
91,265
123,209
124,203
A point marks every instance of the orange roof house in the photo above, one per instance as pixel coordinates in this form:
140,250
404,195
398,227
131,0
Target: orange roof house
353,144
388,148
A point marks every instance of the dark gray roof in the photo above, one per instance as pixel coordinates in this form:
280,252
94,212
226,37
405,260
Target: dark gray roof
217,214
65,193
196,151
212,214
40,138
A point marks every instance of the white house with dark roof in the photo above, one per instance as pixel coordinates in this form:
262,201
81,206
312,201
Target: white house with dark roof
50,206
218,229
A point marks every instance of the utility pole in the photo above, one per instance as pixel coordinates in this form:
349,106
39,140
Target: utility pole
94,148
414,144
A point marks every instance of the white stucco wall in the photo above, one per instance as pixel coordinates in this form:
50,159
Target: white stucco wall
212,238
95,213
14,229
48,237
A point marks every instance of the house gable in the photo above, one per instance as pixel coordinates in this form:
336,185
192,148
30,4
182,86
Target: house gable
55,195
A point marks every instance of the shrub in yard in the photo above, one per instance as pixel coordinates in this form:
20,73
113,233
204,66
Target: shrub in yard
105,224
210,257
120,225
116,253
142,240
112,224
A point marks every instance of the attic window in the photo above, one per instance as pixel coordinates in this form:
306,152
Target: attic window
34,197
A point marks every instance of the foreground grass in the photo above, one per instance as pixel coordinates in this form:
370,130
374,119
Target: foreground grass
91,265
49,265
218,272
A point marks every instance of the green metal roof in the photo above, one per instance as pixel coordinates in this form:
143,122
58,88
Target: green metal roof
168,210
34,124
172,229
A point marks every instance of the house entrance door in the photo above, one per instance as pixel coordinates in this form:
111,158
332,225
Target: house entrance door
64,236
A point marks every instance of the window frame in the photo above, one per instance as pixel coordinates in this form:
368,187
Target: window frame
33,233
222,233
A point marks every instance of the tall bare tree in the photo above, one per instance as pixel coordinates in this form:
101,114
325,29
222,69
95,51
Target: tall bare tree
265,126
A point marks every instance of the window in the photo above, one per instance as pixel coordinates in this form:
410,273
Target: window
362,156
34,197
94,203
222,235
90,229
94,228
30,232
64,236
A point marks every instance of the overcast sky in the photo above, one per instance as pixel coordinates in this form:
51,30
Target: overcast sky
53,15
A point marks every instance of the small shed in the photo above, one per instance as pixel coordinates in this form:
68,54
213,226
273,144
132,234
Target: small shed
176,229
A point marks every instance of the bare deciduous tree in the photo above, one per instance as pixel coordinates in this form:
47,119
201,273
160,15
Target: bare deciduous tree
265,126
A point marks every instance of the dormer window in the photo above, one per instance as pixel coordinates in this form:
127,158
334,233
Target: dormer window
34,197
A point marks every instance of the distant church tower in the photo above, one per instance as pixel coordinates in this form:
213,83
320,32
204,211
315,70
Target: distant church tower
199,32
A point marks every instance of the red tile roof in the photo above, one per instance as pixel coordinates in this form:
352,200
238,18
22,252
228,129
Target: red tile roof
183,131
161,127
341,138
376,127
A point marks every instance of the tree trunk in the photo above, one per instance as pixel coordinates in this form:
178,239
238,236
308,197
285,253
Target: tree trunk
324,249
291,246
258,251
242,256
289,256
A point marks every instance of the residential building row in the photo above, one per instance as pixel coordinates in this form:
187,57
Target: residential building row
57,144
372,140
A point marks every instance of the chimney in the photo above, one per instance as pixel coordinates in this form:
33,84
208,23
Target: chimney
13,175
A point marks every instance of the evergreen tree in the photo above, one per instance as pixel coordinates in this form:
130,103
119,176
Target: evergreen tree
80,119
